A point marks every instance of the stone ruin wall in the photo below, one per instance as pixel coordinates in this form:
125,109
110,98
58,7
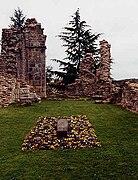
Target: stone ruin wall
130,96
7,89
13,90
22,71
84,86
11,52
104,87
35,56
97,85
103,73
22,59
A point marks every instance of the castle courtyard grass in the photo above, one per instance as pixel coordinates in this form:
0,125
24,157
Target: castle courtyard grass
115,127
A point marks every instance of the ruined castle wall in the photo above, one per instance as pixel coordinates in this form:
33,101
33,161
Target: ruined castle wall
103,80
103,73
13,90
23,55
98,86
35,55
85,84
7,89
130,96
9,51
12,53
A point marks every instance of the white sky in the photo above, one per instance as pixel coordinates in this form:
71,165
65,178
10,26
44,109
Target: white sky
116,19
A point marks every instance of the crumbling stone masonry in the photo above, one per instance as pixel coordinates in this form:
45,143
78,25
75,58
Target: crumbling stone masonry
22,71
7,89
103,73
12,51
23,55
130,96
85,85
14,90
35,56
104,88
97,85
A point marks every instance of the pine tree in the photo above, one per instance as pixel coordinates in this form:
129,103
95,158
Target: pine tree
68,72
18,19
78,40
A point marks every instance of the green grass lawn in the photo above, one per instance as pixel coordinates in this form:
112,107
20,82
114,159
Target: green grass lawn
115,127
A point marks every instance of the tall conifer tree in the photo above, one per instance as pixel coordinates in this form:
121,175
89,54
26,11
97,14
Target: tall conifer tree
78,40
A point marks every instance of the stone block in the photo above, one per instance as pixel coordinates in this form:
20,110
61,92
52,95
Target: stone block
62,128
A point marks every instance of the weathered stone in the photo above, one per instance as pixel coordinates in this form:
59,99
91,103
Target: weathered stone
35,54
90,83
104,86
22,61
7,90
103,73
23,55
62,127
22,72
13,90
84,86
130,96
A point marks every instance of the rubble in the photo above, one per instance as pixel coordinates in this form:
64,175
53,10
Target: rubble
27,95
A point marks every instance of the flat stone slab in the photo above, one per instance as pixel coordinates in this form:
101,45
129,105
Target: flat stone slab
62,128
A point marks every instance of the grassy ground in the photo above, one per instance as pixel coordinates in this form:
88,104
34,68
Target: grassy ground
115,127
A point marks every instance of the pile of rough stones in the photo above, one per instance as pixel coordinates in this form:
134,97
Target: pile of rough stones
44,135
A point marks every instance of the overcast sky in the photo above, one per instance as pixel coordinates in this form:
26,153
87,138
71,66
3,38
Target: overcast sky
116,19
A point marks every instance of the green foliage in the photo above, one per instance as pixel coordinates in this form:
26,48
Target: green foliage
49,74
18,19
115,127
68,72
78,40
71,74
